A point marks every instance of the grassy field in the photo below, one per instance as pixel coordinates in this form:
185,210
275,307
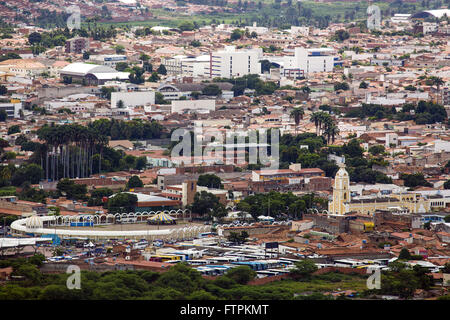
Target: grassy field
336,11
327,283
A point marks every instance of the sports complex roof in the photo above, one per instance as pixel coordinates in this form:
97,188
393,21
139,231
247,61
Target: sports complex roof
431,13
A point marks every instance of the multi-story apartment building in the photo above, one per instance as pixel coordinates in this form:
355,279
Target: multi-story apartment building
306,61
77,45
187,66
230,62
12,109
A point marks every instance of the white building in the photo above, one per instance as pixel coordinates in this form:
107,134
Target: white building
256,29
441,145
197,105
187,66
11,109
132,99
306,61
384,101
400,18
230,62
429,27
391,138
302,31
108,60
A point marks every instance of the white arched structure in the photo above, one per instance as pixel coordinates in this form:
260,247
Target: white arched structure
24,226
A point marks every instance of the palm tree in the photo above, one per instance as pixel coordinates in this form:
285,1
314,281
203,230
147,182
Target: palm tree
331,132
72,147
320,119
438,82
315,117
297,114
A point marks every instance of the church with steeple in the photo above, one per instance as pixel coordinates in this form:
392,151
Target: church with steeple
342,202
341,192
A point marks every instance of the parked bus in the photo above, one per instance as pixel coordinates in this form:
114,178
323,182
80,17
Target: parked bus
198,262
349,263
164,258
266,273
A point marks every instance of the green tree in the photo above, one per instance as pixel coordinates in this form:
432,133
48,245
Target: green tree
236,34
304,269
34,38
121,66
414,180
341,35
241,275
341,86
122,202
141,163
13,129
31,173
377,149
159,98
72,190
161,69
186,26
447,184
182,278
3,115
196,43
134,182
29,272
404,254
211,90
210,181
297,114
238,238
363,85
154,78
204,202
119,49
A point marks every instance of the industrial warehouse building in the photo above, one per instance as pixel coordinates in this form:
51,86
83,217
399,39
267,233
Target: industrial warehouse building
92,74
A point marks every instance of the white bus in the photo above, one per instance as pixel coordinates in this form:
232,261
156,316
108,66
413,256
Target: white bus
349,263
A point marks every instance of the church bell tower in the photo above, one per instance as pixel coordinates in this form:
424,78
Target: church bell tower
341,192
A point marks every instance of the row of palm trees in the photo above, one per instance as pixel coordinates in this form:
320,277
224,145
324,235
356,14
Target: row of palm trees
438,82
325,124
69,151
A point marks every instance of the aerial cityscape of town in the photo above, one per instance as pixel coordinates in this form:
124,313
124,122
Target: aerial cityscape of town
224,150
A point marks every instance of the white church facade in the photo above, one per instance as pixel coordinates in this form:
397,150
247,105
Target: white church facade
342,202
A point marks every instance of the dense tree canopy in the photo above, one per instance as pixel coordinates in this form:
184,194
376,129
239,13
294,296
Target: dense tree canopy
122,202
278,204
134,182
210,181
127,130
